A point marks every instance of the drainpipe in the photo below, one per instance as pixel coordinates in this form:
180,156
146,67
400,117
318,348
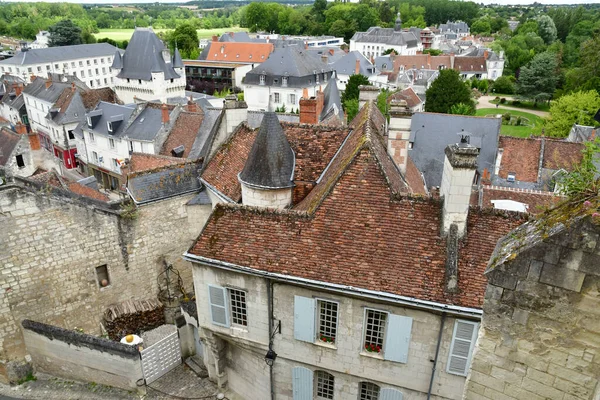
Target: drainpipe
270,307
437,352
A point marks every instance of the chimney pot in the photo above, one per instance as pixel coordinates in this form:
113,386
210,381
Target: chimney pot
165,114
73,86
357,67
215,38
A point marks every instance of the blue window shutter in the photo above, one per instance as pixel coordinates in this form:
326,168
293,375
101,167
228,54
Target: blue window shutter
397,338
304,319
389,394
217,301
302,383
461,349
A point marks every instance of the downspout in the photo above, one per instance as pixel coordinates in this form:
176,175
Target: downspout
270,307
437,353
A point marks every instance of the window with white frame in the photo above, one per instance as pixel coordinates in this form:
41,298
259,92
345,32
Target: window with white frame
91,137
327,320
284,81
276,98
461,348
111,143
115,163
292,98
375,322
262,79
324,385
95,157
368,391
237,299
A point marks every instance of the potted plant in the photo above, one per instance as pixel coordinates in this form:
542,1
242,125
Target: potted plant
372,348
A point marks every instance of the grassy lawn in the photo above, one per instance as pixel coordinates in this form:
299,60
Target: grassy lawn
535,123
125,34
526,105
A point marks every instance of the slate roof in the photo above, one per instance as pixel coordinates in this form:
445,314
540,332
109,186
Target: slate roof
183,133
454,26
582,133
314,147
431,133
271,160
143,56
106,111
62,53
163,182
239,52
38,89
73,103
332,102
177,61
236,37
255,118
387,36
335,234
290,61
470,64
8,142
347,65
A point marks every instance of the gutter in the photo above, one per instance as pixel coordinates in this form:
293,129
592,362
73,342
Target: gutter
473,313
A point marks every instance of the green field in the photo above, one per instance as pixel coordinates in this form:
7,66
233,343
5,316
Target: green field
125,34
535,123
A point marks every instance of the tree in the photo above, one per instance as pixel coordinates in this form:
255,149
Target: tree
462,109
504,85
481,27
184,37
446,91
537,81
64,33
351,92
433,52
351,108
573,108
546,29
382,104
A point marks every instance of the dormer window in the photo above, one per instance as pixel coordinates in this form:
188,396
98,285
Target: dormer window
89,122
512,177
262,79
284,81
109,126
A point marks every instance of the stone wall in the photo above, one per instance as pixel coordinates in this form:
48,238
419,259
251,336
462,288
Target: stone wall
270,198
540,335
77,356
52,243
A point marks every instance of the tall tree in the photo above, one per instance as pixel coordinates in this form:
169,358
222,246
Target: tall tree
446,91
577,107
546,29
185,37
64,33
351,92
537,81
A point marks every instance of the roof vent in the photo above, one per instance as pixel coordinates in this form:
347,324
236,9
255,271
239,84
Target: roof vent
178,151
512,177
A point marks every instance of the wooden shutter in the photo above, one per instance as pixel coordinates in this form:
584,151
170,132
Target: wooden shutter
304,319
390,394
217,299
302,383
397,338
463,339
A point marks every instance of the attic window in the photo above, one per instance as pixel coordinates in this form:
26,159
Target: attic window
284,81
110,126
89,122
512,177
262,79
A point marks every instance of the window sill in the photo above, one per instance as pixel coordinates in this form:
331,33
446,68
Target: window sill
239,329
377,356
326,345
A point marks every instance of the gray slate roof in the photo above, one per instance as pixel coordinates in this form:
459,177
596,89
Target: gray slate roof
145,126
255,118
8,142
237,37
38,89
206,134
271,160
458,27
62,53
332,103
581,133
144,56
107,112
388,36
347,65
431,133
200,199
167,182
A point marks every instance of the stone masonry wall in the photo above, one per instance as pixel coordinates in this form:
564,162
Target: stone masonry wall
52,244
540,334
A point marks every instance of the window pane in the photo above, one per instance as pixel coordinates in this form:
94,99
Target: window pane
238,307
327,321
368,391
374,330
324,386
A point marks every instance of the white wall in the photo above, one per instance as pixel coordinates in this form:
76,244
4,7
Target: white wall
36,112
259,97
157,89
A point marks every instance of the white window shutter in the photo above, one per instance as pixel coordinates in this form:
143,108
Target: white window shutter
397,338
302,383
390,394
463,339
217,299
304,319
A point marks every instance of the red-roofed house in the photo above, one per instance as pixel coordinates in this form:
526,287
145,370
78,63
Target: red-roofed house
360,289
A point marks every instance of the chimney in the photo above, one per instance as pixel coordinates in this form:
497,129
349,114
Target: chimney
399,133
20,128
486,54
32,78
192,106
231,34
165,114
48,83
324,58
357,67
73,87
305,93
331,52
365,94
310,108
305,45
236,112
18,89
460,165
215,38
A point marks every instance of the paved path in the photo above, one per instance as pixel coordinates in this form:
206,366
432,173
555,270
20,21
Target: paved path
484,102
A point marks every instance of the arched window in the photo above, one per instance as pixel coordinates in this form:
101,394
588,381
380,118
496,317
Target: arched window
324,385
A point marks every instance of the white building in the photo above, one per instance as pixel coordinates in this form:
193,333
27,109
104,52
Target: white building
146,71
88,62
375,41
287,75
42,39
15,152
353,63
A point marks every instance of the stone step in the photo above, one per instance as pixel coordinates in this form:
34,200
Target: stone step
197,367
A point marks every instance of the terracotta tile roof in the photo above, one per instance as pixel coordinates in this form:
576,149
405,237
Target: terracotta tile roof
521,156
92,97
560,154
87,191
139,162
414,178
470,64
239,52
364,234
313,145
183,133
537,200
408,95
51,178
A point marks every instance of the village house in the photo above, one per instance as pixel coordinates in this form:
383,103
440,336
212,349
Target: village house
12,105
15,152
375,41
353,63
369,321
146,71
88,62
412,99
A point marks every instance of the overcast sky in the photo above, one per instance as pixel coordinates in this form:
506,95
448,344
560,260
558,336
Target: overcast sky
504,2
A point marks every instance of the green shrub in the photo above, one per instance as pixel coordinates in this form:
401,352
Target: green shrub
502,100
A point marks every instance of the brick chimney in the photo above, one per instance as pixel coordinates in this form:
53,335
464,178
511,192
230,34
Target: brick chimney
73,87
460,165
331,52
48,83
357,67
191,105
486,54
367,93
20,128
215,38
310,108
18,89
399,133
165,114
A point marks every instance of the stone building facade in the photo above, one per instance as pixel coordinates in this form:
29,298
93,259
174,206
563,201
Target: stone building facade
55,242
540,334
